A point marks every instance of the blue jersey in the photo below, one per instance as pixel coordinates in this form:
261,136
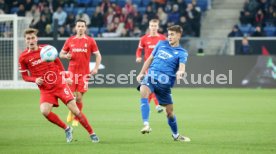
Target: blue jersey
166,60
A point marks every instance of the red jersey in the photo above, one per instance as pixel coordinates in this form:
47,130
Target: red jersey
148,42
50,72
80,49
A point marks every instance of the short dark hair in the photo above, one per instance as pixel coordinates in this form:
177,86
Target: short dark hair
30,31
80,20
176,28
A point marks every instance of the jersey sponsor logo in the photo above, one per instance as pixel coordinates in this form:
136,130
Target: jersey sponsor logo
164,55
36,62
151,46
79,50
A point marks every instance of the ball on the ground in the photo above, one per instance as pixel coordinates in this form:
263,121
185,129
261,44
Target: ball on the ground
48,53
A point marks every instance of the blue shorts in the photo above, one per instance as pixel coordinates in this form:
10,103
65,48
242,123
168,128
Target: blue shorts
161,91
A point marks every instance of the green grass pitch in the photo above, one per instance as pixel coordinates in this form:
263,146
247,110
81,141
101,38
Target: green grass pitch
217,120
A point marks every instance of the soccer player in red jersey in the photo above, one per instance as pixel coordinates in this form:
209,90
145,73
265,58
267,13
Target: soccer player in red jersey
147,43
78,49
47,75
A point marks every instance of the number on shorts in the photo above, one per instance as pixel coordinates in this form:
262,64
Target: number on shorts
66,91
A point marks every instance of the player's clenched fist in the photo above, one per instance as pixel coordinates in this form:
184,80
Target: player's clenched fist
39,81
139,77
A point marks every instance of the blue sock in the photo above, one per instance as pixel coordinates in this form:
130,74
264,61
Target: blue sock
145,110
173,124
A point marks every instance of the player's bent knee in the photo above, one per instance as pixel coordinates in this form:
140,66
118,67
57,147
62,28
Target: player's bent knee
73,107
144,91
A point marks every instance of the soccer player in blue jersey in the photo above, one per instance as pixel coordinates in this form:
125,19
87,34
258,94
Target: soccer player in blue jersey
165,64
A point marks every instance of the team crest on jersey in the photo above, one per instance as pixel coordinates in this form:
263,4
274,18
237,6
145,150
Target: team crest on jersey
175,52
164,55
85,45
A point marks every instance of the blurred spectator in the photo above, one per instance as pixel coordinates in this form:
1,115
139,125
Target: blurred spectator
137,32
83,16
258,32
46,11
187,29
193,16
144,23
236,32
21,11
41,25
3,6
48,31
34,14
137,17
245,48
259,18
182,5
128,6
105,5
246,18
129,26
97,18
115,29
149,12
62,32
60,15
70,23
109,16
28,5
174,15
163,18
270,16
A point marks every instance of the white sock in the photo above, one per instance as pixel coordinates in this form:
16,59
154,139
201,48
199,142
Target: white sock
175,135
146,123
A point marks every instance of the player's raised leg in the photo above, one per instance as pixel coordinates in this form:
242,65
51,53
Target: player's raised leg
158,108
46,110
145,108
173,125
82,119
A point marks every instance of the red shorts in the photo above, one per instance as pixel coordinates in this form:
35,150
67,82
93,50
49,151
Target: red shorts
63,93
79,84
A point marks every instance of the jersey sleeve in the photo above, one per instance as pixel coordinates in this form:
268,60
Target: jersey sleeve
22,65
94,46
140,48
155,49
183,57
66,46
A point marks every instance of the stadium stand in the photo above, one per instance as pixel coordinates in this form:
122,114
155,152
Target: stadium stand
258,13
136,11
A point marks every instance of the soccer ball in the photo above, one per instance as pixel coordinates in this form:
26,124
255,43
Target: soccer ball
48,53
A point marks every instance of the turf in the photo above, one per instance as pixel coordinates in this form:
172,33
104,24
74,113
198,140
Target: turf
217,120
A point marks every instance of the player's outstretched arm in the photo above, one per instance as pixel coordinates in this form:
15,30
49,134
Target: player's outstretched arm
144,68
181,71
98,62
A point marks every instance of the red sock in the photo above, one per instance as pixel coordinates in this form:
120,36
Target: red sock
79,104
84,122
52,117
155,99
